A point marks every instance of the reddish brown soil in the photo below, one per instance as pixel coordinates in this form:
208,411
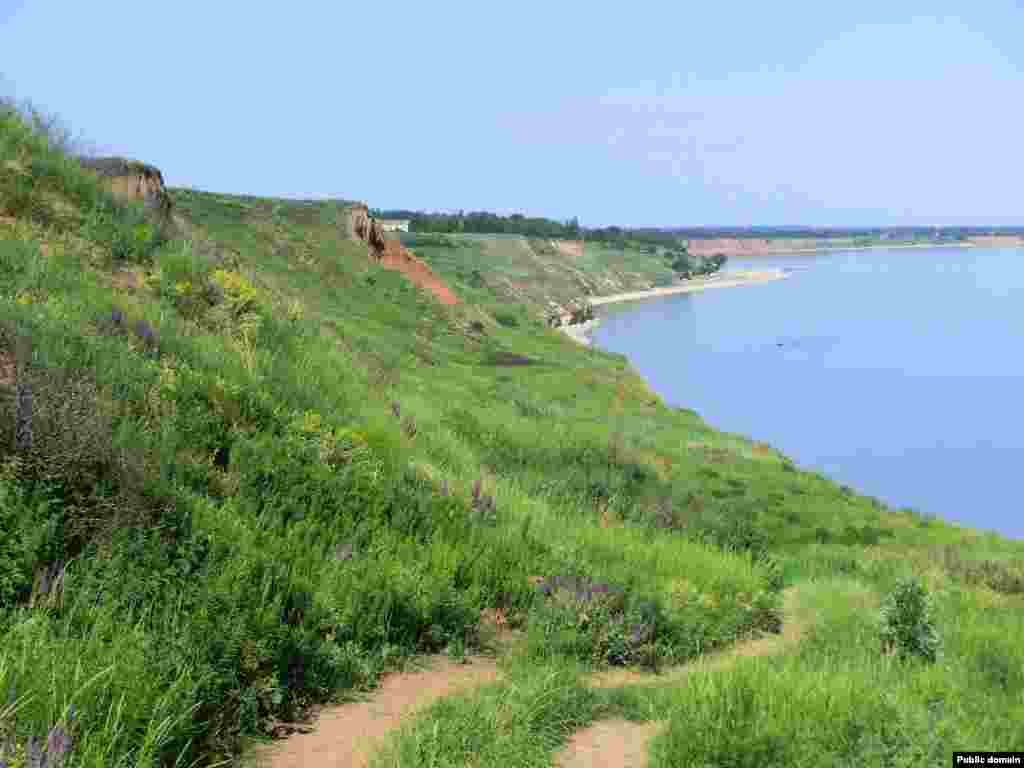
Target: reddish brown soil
346,736
571,248
396,256
608,744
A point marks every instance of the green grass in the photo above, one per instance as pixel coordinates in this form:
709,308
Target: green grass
229,439
498,270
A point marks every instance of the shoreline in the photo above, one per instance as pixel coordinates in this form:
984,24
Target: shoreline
580,332
836,248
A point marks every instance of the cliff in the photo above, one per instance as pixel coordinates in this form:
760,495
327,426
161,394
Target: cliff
132,180
733,246
357,224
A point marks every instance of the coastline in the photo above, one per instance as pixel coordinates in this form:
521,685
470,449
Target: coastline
838,248
581,332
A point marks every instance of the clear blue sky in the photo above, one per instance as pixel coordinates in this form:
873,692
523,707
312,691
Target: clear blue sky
640,113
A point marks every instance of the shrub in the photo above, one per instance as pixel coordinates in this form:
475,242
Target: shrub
997,575
506,318
907,626
865,536
595,622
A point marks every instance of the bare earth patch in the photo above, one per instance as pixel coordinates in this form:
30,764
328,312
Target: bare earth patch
571,248
8,370
346,736
125,280
395,256
608,744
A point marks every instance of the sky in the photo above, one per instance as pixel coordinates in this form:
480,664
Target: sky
634,114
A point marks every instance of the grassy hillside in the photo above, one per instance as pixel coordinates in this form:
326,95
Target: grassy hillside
517,275
246,469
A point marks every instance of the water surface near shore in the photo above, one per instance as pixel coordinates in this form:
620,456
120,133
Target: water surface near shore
898,372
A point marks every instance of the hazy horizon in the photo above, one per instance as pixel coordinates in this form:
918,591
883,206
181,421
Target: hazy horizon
875,115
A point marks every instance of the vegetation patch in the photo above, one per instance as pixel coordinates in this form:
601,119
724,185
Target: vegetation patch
328,474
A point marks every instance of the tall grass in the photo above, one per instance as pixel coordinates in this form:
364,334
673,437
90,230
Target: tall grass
223,433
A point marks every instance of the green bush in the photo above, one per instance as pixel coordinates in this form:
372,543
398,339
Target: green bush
907,626
594,622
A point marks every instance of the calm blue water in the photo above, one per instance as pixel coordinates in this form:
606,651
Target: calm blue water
898,372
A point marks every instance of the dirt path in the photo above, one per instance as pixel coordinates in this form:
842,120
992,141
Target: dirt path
608,744
622,743
345,736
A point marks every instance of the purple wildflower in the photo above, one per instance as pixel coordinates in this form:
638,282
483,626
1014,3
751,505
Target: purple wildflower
58,745
476,490
116,316
34,757
601,589
144,330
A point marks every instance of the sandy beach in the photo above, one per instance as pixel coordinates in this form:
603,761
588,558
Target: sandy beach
581,331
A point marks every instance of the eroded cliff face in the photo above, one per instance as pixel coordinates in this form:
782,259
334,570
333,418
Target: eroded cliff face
728,246
132,180
357,224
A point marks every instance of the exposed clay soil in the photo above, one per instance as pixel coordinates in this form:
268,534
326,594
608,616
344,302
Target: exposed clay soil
347,735
396,256
571,248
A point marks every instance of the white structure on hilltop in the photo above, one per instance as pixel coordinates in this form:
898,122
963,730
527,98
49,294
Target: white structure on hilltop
394,225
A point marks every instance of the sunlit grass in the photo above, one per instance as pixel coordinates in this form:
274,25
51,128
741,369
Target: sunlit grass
231,441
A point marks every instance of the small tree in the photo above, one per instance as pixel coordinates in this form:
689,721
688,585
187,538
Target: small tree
907,626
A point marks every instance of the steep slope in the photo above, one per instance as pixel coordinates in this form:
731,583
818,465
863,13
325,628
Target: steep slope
359,225
246,468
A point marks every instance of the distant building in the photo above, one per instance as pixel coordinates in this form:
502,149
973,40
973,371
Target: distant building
394,225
